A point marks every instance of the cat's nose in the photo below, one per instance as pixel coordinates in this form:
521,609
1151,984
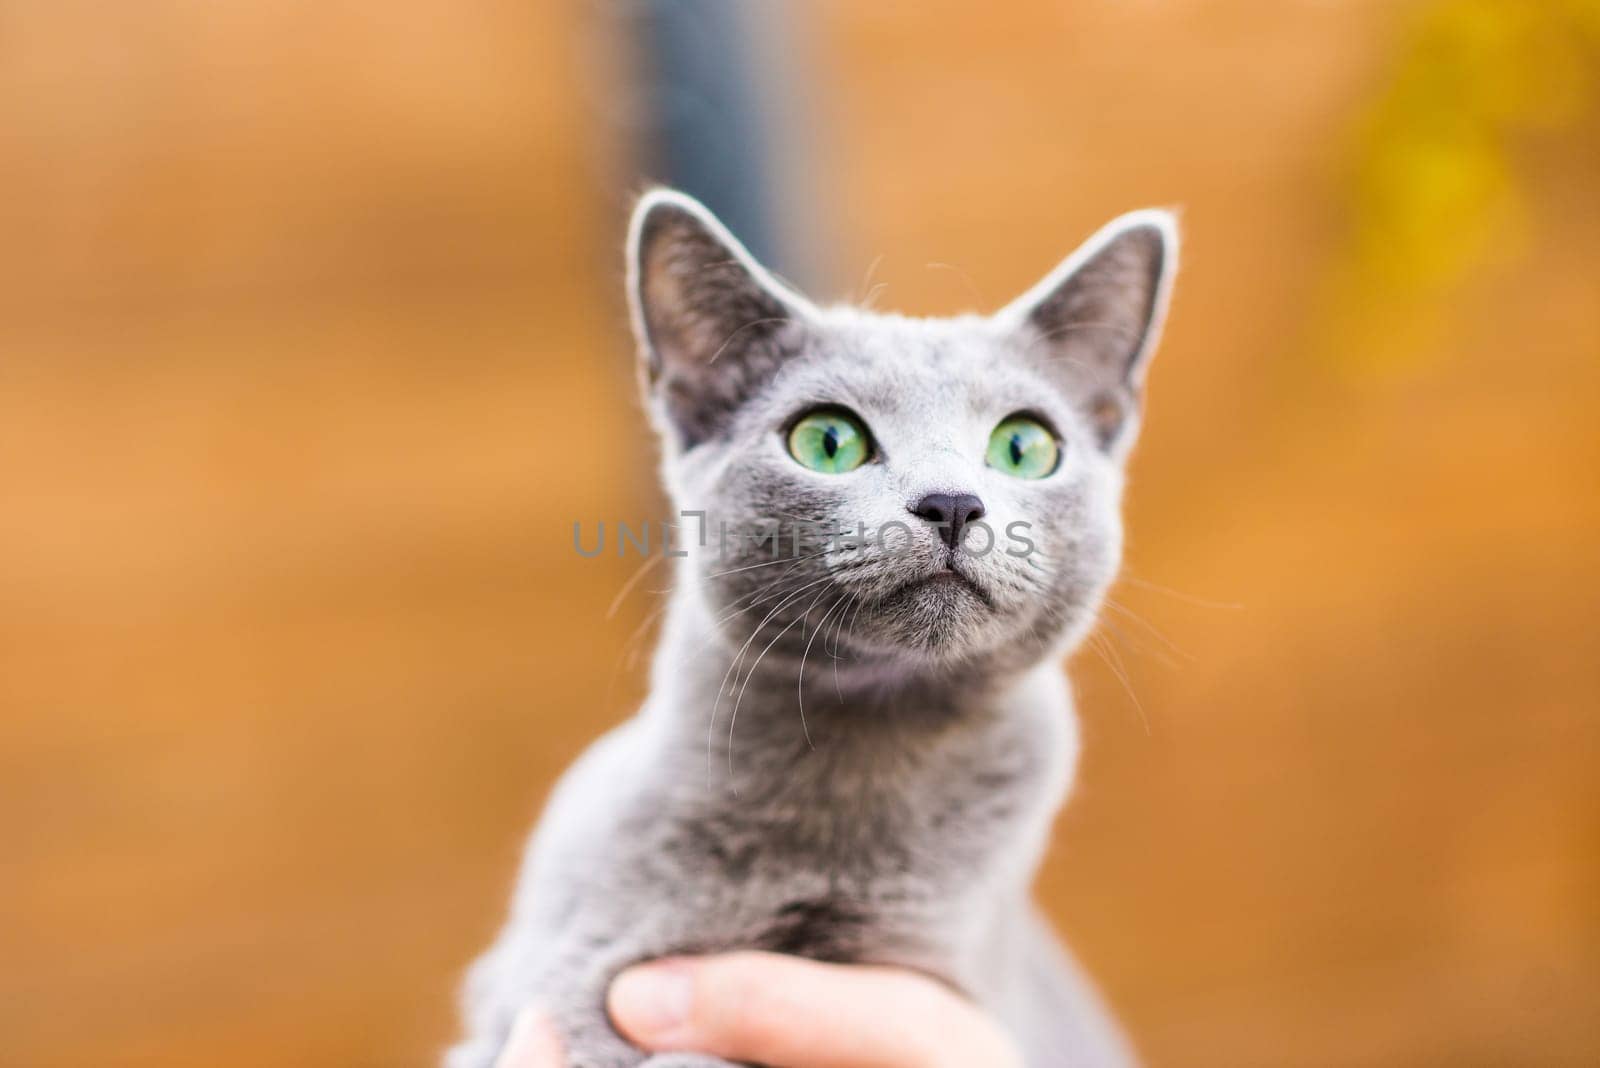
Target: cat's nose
952,511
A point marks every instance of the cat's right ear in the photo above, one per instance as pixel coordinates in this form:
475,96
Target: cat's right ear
712,324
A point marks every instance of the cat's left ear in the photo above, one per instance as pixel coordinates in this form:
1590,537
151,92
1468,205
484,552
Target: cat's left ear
1094,321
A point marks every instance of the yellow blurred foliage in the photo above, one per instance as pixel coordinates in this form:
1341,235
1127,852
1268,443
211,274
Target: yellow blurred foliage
1435,187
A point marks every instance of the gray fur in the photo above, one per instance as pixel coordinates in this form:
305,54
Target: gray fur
838,759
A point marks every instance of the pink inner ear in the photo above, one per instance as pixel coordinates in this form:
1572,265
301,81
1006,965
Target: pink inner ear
1106,412
1101,308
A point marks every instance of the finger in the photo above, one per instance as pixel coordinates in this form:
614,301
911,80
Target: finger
533,1043
795,1013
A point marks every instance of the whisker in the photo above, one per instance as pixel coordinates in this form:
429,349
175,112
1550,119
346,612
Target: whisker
866,279
755,322
1098,643
800,681
977,299
838,691
1151,628
627,587
766,563
1119,636
1062,331
738,660
1187,598
737,701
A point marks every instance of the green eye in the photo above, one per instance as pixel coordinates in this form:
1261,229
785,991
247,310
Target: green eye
1023,447
830,441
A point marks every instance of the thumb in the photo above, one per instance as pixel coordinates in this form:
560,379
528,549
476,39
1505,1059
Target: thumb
793,1013
533,1043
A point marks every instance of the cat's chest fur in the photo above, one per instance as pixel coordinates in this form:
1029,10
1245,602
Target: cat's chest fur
942,818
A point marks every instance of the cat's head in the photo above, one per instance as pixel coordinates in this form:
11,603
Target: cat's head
981,457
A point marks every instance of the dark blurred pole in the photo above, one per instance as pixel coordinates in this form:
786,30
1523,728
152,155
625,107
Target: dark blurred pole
717,99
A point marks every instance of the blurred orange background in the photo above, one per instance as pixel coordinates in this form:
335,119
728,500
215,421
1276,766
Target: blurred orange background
312,349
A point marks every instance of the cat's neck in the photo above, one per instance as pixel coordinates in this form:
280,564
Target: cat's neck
917,752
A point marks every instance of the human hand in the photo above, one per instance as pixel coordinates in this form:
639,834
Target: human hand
785,1012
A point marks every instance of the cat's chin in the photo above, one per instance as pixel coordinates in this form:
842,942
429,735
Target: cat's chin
938,615
946,592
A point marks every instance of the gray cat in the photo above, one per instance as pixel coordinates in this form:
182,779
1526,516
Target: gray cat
858,730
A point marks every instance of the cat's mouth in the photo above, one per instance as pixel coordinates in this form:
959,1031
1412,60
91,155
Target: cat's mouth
949,580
